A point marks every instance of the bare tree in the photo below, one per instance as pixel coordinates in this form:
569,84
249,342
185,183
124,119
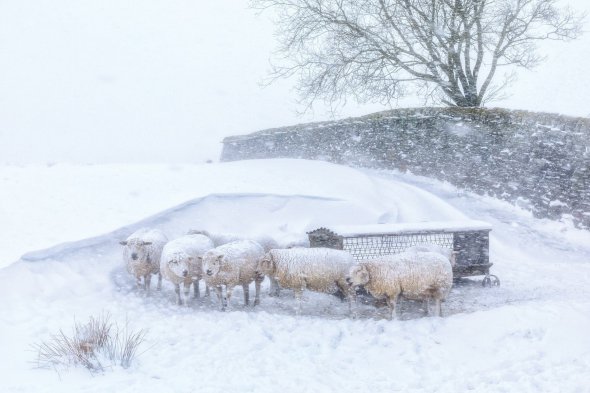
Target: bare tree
381,50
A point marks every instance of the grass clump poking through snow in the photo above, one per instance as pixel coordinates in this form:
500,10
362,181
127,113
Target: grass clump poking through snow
96,345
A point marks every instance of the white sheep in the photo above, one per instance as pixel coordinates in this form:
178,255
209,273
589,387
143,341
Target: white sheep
316,269
267,242
414,275
233,264
182,262
429,247
141,254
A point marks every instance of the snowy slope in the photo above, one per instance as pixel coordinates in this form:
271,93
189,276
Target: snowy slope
530,335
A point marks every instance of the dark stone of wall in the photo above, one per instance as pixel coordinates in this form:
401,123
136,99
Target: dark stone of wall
539,161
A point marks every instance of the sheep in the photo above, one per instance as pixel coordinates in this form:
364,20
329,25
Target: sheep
219,239
182,262
317,269
429,247
414,275
141,253
233,264
267,243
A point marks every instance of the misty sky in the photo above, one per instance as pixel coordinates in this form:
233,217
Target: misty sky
165,80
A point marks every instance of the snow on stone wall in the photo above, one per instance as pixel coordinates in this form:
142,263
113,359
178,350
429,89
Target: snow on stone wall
538,161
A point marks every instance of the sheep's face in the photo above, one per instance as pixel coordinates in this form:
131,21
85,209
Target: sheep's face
136,249
212,263
265,266
179,264
358,275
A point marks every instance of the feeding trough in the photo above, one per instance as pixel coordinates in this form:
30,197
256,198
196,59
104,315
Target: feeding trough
469,239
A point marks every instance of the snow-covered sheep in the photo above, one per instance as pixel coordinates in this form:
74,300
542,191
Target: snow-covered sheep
317,269
233,264
182,262
141,253
414,275
429,247
267,242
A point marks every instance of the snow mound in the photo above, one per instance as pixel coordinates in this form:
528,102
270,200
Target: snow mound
62,203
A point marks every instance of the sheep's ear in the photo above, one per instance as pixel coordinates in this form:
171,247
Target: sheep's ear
123,242
220,257
147,243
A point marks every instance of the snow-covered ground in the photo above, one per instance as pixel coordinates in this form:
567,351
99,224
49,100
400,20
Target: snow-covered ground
529,335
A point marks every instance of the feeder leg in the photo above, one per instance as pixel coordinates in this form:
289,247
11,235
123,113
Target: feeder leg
495,280
490,280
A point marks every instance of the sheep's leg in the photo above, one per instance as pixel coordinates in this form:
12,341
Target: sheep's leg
274,287
187,289
207,290
228,292
257,284
246,294
218,290
437,308
138,282
177,290
351,295
197,293
299,295
303,288
159,287
391,301
147,280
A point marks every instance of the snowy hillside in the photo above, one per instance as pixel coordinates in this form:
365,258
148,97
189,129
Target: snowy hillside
529,335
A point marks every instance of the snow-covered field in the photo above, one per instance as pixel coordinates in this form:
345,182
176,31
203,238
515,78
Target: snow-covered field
529,335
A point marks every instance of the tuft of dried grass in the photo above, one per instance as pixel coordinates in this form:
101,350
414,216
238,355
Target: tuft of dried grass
97,344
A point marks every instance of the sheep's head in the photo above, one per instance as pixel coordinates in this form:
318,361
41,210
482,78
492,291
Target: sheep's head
358,275
265,266
178,263
212,261
136,248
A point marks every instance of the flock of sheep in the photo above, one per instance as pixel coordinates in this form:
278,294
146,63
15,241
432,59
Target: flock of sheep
421,272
